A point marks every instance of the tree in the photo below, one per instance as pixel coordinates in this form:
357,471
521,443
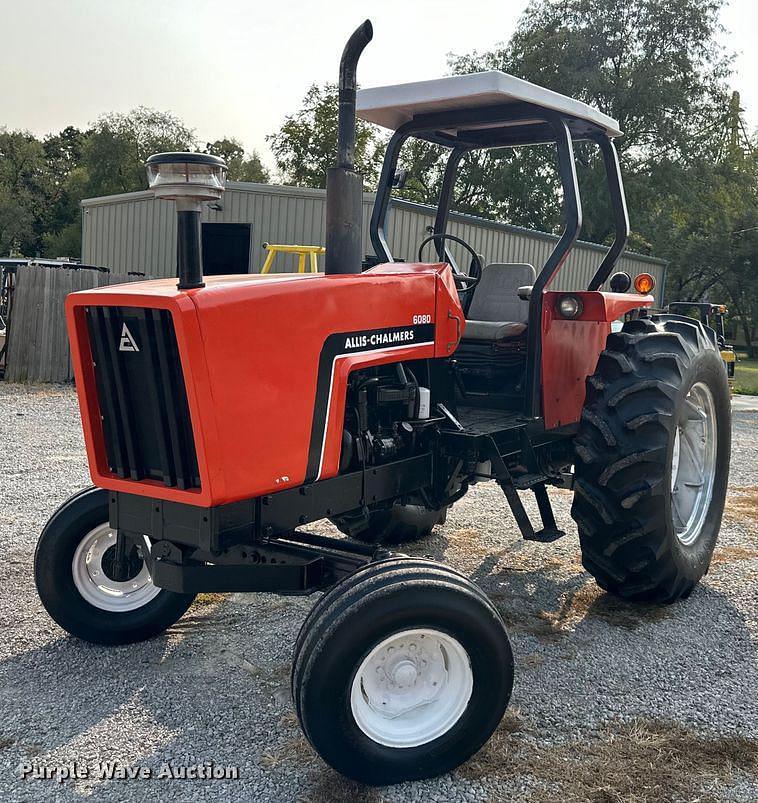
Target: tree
115,150
15,223
655,67
107,159
707,226
241,167
689,170
63,153
22,184
306,144
43,182
59,228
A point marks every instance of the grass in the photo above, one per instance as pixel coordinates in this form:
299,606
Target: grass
746,376
742,504
643,761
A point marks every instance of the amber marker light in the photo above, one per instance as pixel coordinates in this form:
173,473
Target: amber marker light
644,284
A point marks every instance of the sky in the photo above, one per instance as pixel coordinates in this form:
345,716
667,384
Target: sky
238,67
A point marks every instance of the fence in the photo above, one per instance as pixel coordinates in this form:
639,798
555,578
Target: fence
38,349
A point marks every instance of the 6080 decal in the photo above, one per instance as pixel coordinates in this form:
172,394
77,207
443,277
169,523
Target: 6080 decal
422,319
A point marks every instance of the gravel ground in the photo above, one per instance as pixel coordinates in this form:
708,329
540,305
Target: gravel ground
611,702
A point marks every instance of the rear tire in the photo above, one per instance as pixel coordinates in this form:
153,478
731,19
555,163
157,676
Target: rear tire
418,638
399,524
70,570
657,410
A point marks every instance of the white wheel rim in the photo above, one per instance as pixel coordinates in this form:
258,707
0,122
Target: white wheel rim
100,590
411,688
693,464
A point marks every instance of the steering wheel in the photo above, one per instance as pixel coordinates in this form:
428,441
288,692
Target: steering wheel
463,281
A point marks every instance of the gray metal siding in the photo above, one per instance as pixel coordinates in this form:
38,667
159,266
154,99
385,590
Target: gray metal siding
135,235
134,232
406,228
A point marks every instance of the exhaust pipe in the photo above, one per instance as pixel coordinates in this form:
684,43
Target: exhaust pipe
344,187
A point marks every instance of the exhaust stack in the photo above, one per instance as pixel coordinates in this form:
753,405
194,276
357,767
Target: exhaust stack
344,187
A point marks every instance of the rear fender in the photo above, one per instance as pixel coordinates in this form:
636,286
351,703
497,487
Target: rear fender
571,348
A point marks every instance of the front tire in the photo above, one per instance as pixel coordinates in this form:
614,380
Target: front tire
652,462
71,570
402,671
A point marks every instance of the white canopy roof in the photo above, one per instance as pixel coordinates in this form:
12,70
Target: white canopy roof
391,106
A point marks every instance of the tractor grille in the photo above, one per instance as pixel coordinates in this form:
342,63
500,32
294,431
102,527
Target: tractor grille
143,401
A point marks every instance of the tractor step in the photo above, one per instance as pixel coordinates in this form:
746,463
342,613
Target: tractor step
534,482
550,531
546,535
527,481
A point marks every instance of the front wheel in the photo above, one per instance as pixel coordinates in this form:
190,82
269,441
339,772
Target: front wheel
653,459
402,671
73,570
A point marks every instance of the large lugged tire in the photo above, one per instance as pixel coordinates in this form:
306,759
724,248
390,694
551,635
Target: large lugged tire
71,571
399,524
652,459
401,671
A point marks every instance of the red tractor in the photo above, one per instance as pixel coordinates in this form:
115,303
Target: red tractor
221,416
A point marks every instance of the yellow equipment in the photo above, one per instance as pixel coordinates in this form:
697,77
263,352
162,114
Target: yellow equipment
302,251
730,359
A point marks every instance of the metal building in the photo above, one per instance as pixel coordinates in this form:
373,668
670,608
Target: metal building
135,232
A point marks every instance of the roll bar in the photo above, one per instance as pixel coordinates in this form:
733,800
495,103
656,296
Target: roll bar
620,213
544,132
473,133
573,207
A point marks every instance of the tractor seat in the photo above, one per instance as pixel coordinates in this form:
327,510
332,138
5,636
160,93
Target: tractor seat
498,309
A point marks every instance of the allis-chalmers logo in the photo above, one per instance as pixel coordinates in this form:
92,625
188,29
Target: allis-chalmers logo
127,341
379,339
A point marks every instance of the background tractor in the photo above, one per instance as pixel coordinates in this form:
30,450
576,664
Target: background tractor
712,316
223,414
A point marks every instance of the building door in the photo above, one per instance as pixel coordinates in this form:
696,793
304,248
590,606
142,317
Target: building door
226,248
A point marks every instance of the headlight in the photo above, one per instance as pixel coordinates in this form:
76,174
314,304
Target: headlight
620,282
194,176
570,306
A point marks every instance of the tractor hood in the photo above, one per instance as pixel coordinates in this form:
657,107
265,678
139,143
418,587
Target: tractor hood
237,389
